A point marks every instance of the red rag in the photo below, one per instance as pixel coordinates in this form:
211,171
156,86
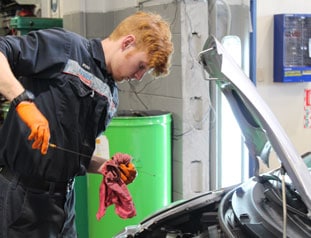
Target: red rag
114,191
121,158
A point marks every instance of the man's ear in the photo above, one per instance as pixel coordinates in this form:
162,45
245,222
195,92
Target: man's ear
128,41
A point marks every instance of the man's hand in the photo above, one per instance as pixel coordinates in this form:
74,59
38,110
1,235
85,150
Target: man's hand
127,169
128,172
38,124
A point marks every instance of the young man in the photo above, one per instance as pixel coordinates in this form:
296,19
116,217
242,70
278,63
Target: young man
62,89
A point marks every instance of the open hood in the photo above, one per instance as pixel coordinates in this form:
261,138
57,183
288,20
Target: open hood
258,207
261,130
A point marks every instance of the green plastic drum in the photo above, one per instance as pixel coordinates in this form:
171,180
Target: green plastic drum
81,207
147,137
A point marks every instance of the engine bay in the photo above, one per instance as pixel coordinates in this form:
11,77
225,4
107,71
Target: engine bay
252,209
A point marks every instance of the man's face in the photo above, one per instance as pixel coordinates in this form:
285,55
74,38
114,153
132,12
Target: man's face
129,64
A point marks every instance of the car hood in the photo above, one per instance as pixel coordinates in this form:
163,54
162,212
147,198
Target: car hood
260,128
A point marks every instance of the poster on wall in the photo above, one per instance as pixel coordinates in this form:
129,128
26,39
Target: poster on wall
307,108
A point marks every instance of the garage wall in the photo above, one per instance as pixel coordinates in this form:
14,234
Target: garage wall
94,18
285,99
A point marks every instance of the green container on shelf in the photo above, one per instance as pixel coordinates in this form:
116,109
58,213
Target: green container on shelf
147,137
26,24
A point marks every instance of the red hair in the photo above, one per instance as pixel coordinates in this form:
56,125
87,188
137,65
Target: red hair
153,36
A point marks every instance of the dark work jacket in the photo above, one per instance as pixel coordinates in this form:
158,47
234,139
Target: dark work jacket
67,73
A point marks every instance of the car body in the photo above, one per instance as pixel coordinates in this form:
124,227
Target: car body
274,204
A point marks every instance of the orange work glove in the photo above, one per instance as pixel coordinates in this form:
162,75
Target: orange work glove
127,172
127,169
38,124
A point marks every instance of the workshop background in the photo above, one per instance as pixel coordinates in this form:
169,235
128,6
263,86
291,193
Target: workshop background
185,92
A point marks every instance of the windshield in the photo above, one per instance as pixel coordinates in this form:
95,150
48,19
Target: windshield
307,159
